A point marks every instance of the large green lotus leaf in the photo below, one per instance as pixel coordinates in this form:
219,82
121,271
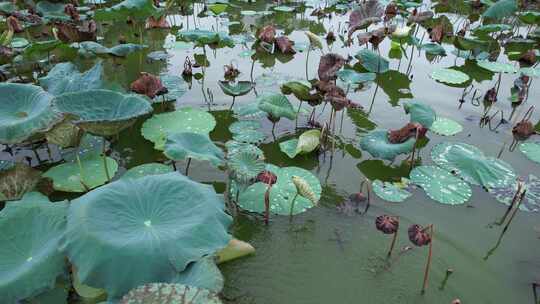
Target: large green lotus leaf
441,185
90,47
245,164
249,111
282,192
29,258
531,150
166,293
449,76
147,169
472,165
7,7
41,47
377,144
239,89
135,9
135,231
497,67
389,191
187,119
103,112
67,176
16,180
446,126
501,9
372,61
276,106
24,111
184,145
175,85
420,113
531,200
243,125
202,274
89,146
492,28
65,77
353,77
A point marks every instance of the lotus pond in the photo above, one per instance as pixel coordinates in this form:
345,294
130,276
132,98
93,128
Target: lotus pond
269,151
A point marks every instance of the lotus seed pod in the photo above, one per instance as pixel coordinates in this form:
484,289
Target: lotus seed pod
418,236
387,224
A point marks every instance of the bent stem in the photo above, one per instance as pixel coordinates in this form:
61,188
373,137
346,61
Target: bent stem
428,263
104,154
394,238
292,205
232,104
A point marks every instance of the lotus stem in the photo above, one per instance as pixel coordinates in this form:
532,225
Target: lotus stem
498,84
104,154
503,232
394,238
267,205
535,295
173,163
273,128
373,99
413,151
449,271
251,73
297,114
307,62
292,205
428,263
368,193
187,166
81,172
232,104
514,201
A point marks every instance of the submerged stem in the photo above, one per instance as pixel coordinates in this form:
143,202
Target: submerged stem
104,154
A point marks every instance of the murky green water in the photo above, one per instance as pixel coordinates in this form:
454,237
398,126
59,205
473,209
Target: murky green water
326,256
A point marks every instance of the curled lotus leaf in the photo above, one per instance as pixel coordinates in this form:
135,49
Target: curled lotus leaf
420,113
65,77
372,61
470,163
30,262
204,37
314,40
176,86
377,144
167,293
184,145
445,126
234,250
25,111
147,169
300,89
531,150
16,180
158,127
531,199
103,112
390,191
239,89
306,143
352,77
501,9
281,193
135,231
276,106
136,9
441,185
449,76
